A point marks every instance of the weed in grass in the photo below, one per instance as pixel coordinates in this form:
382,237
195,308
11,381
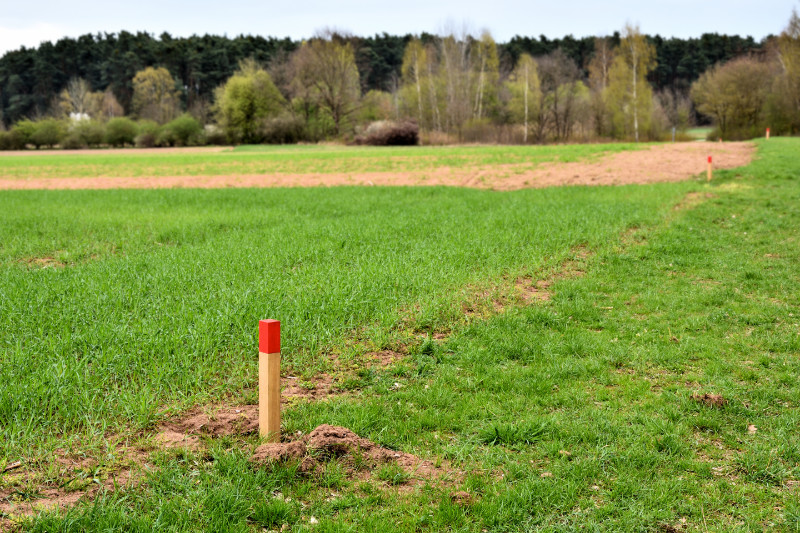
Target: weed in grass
393,474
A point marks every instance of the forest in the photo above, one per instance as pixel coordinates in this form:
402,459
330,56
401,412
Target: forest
127,88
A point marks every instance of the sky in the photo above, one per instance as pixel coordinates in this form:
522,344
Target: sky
30,23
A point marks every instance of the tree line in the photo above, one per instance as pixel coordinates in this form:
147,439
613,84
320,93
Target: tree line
456,87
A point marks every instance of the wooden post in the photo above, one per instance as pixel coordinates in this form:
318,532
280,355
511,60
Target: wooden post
269,380
709,168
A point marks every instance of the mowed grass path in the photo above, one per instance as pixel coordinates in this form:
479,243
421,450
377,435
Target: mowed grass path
576,413
289,159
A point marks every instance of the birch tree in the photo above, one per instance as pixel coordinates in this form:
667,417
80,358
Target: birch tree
526,93
413,71
488,75
76,97
630,97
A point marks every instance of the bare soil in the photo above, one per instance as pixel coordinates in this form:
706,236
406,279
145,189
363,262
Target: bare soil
659,163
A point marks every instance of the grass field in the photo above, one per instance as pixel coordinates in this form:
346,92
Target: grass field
700,133
289,159
584,411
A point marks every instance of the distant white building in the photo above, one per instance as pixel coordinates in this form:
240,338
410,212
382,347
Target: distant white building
77,117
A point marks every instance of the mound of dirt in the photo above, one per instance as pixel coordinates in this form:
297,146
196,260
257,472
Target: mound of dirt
218,421
327,443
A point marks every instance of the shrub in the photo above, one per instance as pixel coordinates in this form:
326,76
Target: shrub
148,134
183,131
389,133
48,132
73,141
214,135
285,129
121,131
11,140
84,133
91,132
23,130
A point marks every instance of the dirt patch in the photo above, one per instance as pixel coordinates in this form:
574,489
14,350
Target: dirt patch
212,422
318,388
658,163
327,443
462,498
43,500
539,290
42,262
84,481
384,358
710,400
692,200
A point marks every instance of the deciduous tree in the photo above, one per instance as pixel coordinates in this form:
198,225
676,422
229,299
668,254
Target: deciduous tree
327,65
734,95
154,95
245,101
487,65
561,93
414,71
787,85
630,97
526,93
76,97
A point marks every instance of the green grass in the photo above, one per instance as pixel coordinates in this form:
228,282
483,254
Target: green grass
699,134
290,159
575,413
161,291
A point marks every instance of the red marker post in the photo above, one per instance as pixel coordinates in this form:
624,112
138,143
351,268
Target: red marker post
709,168
269,380
767,133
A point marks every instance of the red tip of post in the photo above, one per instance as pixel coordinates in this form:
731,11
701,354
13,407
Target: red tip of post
269,336
709,159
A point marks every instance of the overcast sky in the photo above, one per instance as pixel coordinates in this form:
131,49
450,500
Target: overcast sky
29,23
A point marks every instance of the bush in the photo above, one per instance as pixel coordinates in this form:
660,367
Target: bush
23,130
389,133
285,129
148,134
11,140
215,135
183,131
73,141
438,138
83,134
48,132
121,131
740,133
91,132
